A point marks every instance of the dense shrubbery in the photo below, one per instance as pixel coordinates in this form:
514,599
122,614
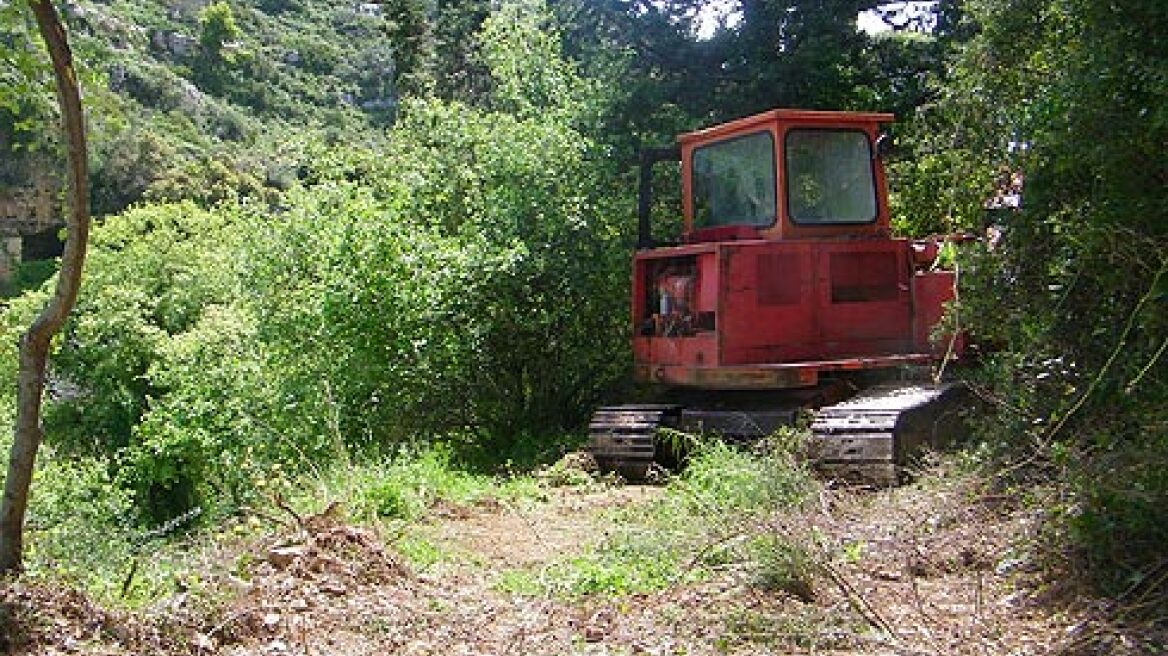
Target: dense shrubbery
1072,95
459,281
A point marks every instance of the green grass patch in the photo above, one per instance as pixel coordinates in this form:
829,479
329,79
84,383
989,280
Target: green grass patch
404,487
785,563
420,551
721,478
700,524
83,530
593,574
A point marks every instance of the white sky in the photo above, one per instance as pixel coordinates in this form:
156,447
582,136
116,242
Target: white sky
716,10
870,22
712,12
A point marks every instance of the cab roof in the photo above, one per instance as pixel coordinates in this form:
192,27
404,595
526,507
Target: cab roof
801,116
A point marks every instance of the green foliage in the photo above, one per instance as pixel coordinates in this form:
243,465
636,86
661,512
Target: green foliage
785,563
151,275
420,552
817,64
410,30
459,73
615,572
471,293
403,487
1072,96
522,54
458,282
330,270
27,276
26,88
217,28
207,182
722,478
80,522
28,107
170,88
130,161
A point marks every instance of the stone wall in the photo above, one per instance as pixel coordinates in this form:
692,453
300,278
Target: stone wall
27,210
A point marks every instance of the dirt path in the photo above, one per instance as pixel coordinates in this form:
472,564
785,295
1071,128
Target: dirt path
452,607
928,569
928,577
527,534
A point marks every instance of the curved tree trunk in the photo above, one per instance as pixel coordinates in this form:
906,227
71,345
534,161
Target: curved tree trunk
34,345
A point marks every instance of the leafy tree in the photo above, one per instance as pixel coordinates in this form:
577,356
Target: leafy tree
25,96
522,55
457,281
217,28
796,54
780,53
409,29
458,72
665,78
154,272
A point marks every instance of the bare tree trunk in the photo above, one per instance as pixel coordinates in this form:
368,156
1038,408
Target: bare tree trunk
34,345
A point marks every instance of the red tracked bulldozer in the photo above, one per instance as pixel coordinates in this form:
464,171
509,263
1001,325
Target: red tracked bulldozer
786,292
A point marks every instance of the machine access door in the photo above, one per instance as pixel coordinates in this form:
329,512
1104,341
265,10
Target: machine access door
864,298
768,303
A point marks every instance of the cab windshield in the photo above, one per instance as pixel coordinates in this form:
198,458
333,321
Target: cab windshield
829,176
734,182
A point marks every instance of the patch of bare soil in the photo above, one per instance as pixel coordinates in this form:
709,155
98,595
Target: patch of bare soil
297,605
523,534
37,619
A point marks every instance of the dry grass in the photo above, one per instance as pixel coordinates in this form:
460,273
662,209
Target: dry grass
943,566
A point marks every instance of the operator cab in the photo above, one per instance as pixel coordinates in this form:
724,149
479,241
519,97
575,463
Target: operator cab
784,174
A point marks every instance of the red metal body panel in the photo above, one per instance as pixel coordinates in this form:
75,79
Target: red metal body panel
931,291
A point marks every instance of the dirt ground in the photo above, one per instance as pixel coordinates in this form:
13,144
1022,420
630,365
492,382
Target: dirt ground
929,569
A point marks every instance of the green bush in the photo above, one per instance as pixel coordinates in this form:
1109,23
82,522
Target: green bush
785,563
151,275
461,277
28,275
458,281
80,521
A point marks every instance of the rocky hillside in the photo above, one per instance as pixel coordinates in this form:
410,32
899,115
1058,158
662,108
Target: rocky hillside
187,97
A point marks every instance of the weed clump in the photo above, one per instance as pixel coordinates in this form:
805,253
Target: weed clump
785,563
723,478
